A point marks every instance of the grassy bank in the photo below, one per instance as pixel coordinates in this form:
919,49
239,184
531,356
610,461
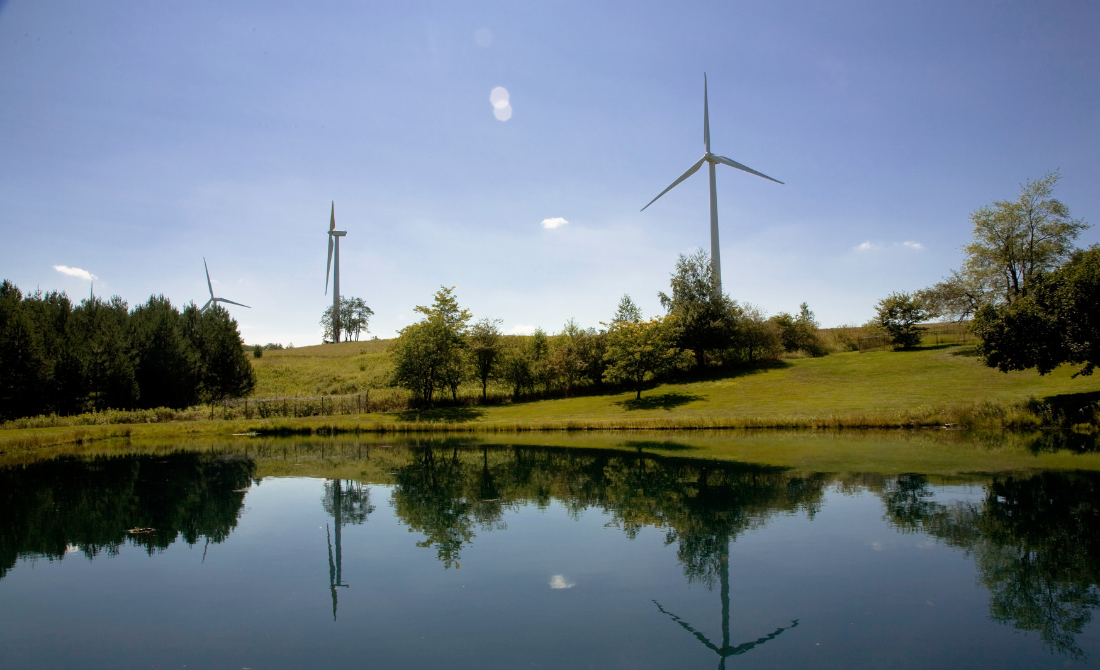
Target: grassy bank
936,385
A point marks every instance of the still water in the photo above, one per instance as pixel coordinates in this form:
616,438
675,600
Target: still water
467,556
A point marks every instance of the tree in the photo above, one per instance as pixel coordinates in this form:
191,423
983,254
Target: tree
430,354
102,338
898,315
640,351
168,366
515,365
354,319
226,370
538,355
1057,322
758,336
706,319
593,352
485,344
1015,240
566,360
627,311
799,333
23,365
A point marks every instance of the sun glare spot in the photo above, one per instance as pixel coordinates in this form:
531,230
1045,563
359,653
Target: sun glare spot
503,113
499,97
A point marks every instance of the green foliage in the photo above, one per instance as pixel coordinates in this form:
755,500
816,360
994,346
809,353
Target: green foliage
799,333
515,366
354,319
1014,242
257,351
640,351
760,339
706,319
898,315
627,311
486,344
430,355
1056,322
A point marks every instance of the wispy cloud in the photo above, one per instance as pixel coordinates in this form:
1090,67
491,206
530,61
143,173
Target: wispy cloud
522,330
555,222
866,246
75,272
561,582
913,245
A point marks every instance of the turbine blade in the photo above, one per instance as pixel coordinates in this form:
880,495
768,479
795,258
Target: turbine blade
332,217
208,284
231,302
328,266
706,115
207,304
735,164
691,170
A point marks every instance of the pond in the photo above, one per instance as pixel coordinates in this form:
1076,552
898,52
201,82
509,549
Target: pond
467,554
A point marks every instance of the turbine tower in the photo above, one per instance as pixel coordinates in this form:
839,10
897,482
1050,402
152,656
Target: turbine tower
334,239
711,160
210,286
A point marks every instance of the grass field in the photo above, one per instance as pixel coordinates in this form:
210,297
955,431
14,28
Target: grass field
933,378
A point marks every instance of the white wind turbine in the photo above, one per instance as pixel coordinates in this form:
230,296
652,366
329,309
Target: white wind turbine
711,160
210,286
334,240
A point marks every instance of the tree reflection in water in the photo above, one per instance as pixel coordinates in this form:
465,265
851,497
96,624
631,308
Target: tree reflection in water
1035,541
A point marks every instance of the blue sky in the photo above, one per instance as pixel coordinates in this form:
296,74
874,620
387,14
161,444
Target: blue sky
139,137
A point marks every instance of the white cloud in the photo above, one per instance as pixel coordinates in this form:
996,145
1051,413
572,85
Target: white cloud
75,272
522,330
555,222
866,246
560,582
913,245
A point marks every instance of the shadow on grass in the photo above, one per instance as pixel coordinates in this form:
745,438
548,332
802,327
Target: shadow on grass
665,401
969,351
667,445
716,373
459,414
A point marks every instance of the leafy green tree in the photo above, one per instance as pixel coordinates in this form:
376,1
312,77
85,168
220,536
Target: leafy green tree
627,311
486,344
168,367
593,352
103,338
898,315
354,319
430,355
538,354
24,370
758,336
226,371
799,333
416,361
515,365
637,352
567,360
1057,322
706,319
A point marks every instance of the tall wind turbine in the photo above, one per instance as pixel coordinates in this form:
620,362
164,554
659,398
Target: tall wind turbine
210,286
711,160
334,239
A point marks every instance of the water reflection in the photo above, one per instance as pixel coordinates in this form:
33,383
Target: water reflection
1034,538
1035,541
48,509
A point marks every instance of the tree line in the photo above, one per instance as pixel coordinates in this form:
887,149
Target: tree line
1030,295
701,327
57,357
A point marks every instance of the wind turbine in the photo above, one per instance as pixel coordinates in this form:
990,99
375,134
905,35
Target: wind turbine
334,238
210,286
711,160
